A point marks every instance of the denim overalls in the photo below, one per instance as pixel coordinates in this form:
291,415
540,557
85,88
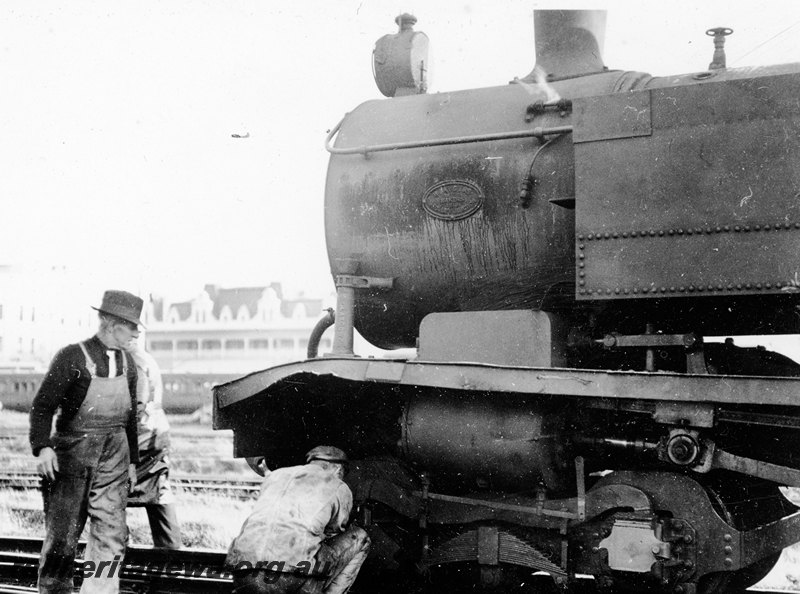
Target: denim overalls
92,481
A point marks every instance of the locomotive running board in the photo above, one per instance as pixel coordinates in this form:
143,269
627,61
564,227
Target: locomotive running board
582,383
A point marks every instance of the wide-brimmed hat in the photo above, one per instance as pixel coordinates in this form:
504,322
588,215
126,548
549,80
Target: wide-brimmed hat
122,304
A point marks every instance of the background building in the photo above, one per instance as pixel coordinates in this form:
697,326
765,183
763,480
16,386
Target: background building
221,330
233,330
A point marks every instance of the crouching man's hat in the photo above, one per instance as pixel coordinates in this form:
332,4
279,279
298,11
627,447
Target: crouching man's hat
328,454
122,304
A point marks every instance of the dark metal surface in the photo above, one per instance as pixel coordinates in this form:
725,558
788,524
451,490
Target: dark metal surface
499,257
700,542
504,442
654,172
703,206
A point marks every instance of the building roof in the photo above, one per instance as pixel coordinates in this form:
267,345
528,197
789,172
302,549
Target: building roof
184,309
236,298
313,306
240,296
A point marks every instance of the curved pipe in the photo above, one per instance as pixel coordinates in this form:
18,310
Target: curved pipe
316,334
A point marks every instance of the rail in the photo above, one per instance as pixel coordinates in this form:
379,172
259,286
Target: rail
147,569
242,488
144,569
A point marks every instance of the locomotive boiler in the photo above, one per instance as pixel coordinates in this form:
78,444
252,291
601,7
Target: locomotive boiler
558,252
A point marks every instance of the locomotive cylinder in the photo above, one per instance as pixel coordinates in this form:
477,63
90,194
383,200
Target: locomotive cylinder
493,442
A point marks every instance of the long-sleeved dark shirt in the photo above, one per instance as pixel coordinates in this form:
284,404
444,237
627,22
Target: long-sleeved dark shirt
65,385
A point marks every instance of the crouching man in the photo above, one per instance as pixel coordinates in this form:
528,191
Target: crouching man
295,540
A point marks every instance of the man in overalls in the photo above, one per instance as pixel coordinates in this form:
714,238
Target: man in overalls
87,464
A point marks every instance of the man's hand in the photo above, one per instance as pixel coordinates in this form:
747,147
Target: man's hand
47,463
131,477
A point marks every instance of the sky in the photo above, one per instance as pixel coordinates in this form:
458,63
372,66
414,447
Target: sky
117,118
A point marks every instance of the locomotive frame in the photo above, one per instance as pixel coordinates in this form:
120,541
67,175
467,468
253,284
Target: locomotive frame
563,413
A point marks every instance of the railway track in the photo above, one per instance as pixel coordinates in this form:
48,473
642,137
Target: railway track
191,431
242,488
146,569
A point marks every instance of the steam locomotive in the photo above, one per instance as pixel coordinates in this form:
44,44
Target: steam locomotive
557,250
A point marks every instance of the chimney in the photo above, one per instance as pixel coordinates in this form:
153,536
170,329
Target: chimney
568,43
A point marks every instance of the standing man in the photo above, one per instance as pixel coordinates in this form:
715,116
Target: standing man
295,540
152,488
88,463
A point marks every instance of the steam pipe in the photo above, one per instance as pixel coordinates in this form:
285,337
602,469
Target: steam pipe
319,329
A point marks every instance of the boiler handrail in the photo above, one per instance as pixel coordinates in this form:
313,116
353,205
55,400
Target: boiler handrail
537,132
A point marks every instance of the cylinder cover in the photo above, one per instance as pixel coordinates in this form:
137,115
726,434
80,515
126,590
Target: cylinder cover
476,440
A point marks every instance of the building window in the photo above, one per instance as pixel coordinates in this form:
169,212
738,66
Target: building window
187,345
212,345
234,345
325,343
161,345
285,343
259,343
